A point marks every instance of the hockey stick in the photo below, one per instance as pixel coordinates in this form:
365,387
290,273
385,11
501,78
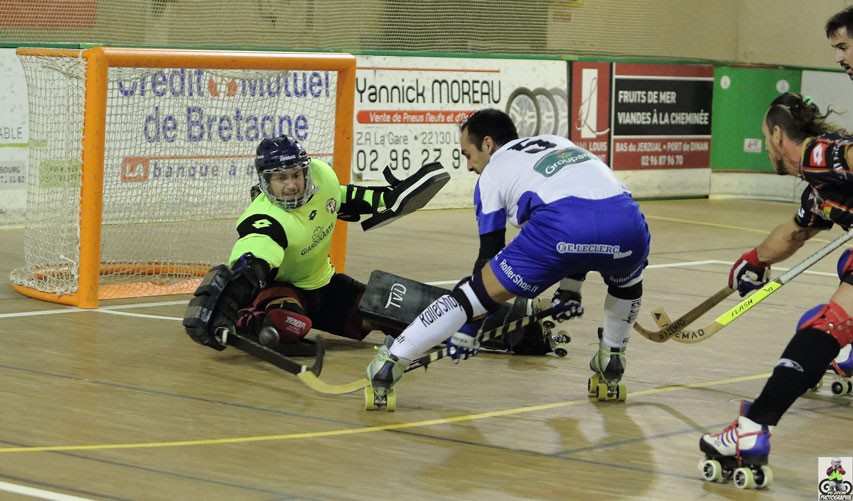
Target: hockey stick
309,375
266,354
668,328
699,335
489,335
317,384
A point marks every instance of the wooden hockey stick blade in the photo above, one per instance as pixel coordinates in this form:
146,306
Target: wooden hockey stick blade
309,376
315,383
669,329
703,334
662,320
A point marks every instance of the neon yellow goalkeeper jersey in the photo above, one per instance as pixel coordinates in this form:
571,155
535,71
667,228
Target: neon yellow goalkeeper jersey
295,241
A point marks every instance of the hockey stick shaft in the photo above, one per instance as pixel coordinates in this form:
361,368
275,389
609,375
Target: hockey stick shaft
699,335
488,335
275,358
683,321
309,376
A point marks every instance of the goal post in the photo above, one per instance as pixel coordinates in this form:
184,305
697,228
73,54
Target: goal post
141,160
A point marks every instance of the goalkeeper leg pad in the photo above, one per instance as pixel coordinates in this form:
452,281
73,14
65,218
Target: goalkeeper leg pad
200,310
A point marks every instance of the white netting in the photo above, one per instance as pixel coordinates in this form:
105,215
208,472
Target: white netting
56,89
178,167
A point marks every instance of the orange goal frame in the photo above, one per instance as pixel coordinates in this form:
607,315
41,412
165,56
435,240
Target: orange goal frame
99,60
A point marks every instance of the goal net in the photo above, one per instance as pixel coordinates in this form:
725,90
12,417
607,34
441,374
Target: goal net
140,161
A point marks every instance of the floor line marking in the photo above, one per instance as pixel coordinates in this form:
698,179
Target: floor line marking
138,315
373,429
781,268
113,308
38,493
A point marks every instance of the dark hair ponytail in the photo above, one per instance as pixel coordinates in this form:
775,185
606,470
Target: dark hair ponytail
799,117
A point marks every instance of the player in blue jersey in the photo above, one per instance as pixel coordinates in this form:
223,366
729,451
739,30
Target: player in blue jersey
575,217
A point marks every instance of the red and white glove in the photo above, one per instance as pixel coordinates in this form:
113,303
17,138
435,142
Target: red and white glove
748,273
291,323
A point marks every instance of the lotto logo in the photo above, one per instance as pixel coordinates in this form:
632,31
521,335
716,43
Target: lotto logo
261,223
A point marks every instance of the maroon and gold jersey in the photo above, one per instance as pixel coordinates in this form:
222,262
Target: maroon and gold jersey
830,190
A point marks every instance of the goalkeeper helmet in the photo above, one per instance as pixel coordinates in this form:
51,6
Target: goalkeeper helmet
283,172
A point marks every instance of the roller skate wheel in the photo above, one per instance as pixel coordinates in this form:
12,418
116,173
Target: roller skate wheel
369,399
548,324
592,385
391,401
837,388
766,477
744,478
561,352
849,387
601,392
711,470
621,392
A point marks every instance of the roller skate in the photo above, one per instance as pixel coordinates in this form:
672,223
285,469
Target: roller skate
608,365
841,371
383,372
738,453
556,335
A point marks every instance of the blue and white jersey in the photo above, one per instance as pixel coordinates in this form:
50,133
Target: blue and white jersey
529,173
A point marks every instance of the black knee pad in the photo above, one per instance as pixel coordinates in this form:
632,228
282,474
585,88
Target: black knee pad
480,297
810,352
632,292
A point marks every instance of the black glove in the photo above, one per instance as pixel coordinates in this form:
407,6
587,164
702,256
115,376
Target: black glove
567,305
218,299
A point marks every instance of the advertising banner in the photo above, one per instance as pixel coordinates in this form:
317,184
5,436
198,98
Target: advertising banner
408,111
589,127
13,139
661,116
179,132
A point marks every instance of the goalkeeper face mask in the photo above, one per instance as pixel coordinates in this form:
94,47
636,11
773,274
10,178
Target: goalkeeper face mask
289,186
283,170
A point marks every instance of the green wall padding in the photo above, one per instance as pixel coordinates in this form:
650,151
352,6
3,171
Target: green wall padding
741,96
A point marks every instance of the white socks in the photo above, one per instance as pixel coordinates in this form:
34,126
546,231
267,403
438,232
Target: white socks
619,317
435,324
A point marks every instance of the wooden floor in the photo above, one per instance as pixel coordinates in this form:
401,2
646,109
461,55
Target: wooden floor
118,403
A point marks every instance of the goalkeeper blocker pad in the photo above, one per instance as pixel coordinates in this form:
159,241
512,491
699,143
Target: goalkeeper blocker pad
408,195
393,302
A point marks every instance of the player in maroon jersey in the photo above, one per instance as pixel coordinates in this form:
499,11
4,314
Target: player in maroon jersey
799,143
